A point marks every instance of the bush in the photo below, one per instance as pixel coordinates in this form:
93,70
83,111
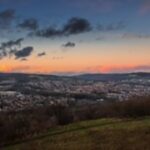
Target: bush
24,124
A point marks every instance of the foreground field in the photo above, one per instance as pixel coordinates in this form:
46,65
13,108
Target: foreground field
103,134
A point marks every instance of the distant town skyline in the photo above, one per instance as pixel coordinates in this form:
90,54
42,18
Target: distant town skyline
74,36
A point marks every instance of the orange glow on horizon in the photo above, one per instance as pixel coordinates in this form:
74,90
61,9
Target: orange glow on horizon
88,58
49,70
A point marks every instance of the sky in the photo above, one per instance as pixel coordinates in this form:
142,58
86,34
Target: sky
74,36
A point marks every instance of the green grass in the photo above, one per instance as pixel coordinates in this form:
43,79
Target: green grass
102,134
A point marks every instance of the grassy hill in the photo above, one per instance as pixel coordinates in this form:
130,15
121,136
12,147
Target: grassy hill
102,134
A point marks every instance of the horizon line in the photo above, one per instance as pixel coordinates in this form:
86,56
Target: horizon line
77,74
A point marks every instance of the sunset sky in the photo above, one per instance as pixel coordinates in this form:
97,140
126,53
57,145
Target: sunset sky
74,36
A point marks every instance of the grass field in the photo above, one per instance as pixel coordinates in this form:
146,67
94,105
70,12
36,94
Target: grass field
102,134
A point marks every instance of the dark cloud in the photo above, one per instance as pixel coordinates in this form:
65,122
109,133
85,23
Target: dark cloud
41,54
11,43
73,26
25,52
112,27
6,18
29,24
10,47
69,44
76,26
50,32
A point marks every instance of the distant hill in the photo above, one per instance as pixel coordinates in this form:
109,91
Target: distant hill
113,77
96,77
24,77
